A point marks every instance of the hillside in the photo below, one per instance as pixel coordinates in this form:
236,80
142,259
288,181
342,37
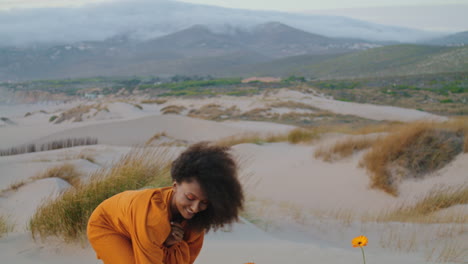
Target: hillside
457,39
195,50
395,60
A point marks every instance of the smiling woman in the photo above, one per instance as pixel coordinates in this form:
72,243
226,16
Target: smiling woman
167,225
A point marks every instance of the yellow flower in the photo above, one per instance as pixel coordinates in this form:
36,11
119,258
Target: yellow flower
359,241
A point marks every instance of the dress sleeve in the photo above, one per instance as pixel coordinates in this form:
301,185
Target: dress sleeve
184,252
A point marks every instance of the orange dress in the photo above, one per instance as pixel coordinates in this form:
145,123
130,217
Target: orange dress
131,227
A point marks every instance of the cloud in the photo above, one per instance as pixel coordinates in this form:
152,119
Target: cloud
146,19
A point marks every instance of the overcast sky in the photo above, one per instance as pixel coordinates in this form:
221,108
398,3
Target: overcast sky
281,5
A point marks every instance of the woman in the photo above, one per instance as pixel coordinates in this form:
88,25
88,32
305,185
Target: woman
167,225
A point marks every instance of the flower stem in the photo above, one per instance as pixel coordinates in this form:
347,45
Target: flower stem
363,256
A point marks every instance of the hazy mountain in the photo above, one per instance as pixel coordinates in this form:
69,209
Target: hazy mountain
196,50
458,39
147,19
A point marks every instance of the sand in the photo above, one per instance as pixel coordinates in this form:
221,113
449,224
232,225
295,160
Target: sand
307,210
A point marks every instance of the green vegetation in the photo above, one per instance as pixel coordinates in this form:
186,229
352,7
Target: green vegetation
185,85
417,92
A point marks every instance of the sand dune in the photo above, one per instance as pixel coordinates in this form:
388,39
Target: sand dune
307,210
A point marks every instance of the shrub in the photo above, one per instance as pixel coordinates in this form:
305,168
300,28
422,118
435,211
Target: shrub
344,148
138,106
155,101
67,216
412,151
214,112
52,118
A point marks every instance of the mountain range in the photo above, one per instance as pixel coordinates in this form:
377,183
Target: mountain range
196,49
267,49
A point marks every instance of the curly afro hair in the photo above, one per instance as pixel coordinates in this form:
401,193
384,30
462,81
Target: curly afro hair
215,170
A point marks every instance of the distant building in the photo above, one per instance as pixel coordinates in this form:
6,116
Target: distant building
261,79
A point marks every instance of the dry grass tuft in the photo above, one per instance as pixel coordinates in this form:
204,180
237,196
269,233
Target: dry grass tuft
138,106
294,105
155,101
5,227
453,252
214,112
76,114
412,151
256,113
67,216
155,137
15,186
86,156
436,200
461,124
255,138
344,148
66,172
173,109
300,135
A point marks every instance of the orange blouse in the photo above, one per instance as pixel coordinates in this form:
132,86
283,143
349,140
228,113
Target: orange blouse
143,218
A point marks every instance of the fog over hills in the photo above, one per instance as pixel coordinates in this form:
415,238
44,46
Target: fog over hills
196,50
147,19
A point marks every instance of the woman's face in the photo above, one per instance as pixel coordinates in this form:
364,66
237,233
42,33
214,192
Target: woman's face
188,199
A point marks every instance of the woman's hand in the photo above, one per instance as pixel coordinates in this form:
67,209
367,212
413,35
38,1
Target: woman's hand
176,235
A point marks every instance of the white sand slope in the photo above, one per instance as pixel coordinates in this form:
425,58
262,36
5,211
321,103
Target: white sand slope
20,205
138,131
370,111
244,243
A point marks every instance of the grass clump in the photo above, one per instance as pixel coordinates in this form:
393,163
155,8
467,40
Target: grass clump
437,199
155,137
412,151
344,148
5,227
300,135
214,112
67,216
66,172
254,138
173,109
155,101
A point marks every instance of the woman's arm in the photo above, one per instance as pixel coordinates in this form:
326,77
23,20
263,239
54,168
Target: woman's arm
185,251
